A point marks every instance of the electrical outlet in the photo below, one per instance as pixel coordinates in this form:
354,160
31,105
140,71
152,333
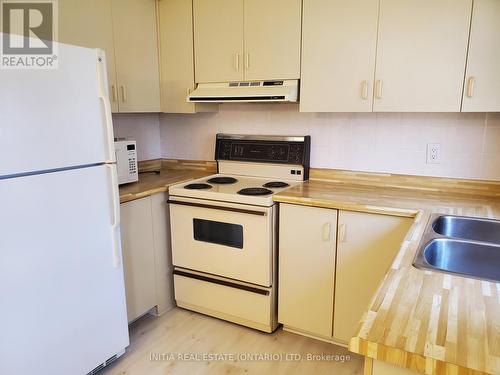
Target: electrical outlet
433,153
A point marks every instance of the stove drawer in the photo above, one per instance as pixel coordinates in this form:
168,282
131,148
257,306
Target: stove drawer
224,239
238,303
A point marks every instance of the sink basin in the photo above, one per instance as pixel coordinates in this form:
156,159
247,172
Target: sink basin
468,228
472,259
466,246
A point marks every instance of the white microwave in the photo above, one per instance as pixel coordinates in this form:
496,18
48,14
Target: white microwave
126,161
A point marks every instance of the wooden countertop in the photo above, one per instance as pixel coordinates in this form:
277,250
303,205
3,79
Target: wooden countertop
152,183
426,321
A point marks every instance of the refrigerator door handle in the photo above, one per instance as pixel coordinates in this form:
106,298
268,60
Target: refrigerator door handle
115,227
104,97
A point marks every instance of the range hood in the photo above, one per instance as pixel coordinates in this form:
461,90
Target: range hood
250,91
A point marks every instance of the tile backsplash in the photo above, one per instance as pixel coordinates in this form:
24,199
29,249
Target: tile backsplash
143,128
372,142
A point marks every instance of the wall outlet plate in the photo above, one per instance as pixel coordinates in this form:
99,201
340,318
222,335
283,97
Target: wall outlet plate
433,153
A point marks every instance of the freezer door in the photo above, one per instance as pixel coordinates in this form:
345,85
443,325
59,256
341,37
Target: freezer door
57,118
61,279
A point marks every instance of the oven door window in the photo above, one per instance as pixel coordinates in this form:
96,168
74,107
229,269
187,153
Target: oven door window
218,233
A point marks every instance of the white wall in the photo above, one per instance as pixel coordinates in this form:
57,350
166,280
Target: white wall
142,127
383,142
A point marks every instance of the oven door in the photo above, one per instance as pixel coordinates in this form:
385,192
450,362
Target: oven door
224,239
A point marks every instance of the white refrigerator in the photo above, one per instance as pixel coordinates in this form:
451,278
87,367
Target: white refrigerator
62,297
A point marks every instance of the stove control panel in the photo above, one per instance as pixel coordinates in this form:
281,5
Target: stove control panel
264,149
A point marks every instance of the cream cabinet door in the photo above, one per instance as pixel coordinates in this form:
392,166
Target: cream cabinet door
176,55
136,51
218,40
306,268
421,53
138,256
366,247
89,24
272,39
339,40
482,81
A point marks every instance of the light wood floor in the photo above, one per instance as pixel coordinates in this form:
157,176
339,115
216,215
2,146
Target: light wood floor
184,332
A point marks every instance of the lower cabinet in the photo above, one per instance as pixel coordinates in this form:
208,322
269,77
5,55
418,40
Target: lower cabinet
366,247
330,265
307,269
146,255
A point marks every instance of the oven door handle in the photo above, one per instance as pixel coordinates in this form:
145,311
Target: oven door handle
220,208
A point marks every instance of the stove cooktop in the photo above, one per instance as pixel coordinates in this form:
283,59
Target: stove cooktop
235,189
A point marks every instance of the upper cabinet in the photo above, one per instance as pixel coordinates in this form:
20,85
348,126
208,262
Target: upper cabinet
482,80
74,19
272,39
338,55
126,31
238,40
136,51
421,55
218,40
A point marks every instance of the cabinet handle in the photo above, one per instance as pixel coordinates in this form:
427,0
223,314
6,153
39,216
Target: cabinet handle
236,61
378,89
114,93
247,61
364,90
124,94
327,232
342,233
470,86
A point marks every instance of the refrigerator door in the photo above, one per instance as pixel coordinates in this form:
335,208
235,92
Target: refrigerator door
57,118
61,279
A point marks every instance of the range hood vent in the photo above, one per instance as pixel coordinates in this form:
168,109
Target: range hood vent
252,91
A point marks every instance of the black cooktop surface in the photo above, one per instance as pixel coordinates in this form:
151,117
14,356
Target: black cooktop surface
275,184
197,186
222,180
255,191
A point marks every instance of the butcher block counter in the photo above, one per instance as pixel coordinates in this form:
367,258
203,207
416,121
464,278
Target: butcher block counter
157,175
429,322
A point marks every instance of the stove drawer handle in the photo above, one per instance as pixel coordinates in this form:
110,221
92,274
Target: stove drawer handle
220,208
221,282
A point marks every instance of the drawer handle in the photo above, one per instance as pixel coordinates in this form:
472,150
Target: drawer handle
220,208
221,282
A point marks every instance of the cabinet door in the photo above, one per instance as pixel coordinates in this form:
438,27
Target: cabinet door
338,55
138,256
272,39
366,247
163,252
218,40
136,50
306,268
421,52
176,55
75,16
482,83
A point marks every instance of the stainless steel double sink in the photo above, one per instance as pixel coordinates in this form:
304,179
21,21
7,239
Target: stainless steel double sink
461,245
